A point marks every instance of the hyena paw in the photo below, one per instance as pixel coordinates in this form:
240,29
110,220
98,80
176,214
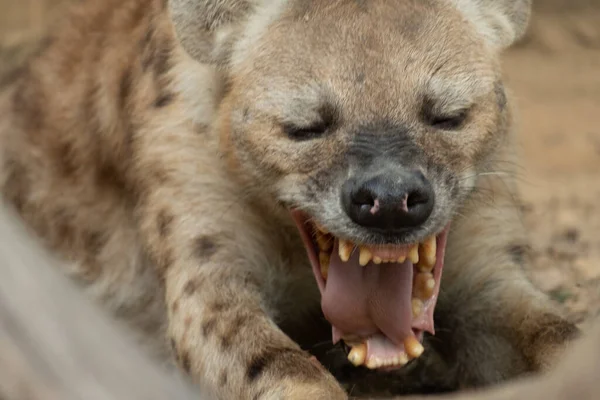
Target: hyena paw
291,375
549,340
324,390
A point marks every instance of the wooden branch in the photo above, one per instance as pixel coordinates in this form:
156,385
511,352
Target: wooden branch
55,344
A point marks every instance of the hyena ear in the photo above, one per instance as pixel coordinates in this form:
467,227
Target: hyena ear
501,22
207,29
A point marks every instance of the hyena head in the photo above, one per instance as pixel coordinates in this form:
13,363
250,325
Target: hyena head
370,121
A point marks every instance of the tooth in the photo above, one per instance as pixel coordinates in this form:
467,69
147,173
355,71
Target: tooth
324,259
324,241
402,358
377,260
413,254
373,363
402,258
424,285
345,249
358,354
417,307
413,348
365,256
427,252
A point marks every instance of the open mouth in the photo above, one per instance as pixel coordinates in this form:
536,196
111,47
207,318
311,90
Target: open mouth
379,299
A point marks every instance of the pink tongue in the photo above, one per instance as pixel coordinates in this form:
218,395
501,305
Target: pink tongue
361,301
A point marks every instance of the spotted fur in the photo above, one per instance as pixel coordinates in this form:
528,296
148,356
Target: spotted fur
151,145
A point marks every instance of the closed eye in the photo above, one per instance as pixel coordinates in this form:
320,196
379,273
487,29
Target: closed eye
448,122
309,132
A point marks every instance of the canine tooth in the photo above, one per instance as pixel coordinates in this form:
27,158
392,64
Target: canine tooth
377,260
358,354
324,242
413,254
345,250
427,252
413,348
324,259
402,258
417,307
365,256
424,285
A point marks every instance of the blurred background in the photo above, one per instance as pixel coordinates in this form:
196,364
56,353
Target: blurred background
554,73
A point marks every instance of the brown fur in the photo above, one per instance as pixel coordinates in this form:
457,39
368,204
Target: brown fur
163,181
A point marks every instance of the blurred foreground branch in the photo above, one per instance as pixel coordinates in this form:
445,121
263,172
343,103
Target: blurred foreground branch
55,344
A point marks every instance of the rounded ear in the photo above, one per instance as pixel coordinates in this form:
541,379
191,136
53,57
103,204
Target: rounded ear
501,22
206,28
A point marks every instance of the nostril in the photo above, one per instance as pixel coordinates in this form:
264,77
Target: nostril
363,197
416,198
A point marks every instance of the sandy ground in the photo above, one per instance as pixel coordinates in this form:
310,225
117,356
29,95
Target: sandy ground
555,76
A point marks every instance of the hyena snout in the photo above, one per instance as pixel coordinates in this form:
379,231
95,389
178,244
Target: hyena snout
389,201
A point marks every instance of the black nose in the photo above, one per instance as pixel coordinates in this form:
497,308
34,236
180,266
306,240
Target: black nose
389,202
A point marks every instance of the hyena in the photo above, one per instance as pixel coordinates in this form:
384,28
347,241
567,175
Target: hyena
242,181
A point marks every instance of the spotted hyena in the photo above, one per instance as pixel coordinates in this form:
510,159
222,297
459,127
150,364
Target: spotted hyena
245,181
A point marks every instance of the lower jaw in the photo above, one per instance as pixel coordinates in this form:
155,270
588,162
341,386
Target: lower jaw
375,350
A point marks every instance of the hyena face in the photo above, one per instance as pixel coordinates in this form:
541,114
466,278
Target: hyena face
369,121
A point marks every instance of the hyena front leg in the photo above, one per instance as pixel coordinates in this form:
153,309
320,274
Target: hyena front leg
493,324
196,232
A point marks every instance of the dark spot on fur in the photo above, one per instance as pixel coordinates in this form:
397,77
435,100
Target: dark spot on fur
201,129
259,394
208,327
94,242
158,175
284,361
164,100
190,287
108,176
173,346
500,95
16,187
360,78
518,253
223,378
185,361
219,306
234,328
163,223
146,48
65,156
125,89
27,101
162,59
165,260
205,247
175,306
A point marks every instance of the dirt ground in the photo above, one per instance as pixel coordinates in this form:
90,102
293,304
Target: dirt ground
555,76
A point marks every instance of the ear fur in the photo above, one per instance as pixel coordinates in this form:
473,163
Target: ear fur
206,28
501,22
